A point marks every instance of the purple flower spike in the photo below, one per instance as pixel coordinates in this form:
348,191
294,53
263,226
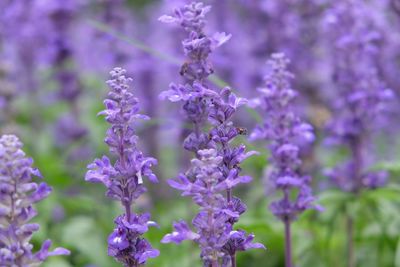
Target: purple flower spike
286,133
211,223
215,170
362,96
124,179
195,94
18,193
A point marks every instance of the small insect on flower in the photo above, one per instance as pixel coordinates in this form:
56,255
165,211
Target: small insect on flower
241,130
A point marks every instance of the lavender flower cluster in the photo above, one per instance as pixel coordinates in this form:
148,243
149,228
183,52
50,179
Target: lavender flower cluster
287,133
124,178
195,93
362,96
215,170
18,193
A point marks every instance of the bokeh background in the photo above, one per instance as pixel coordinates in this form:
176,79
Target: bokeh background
54,60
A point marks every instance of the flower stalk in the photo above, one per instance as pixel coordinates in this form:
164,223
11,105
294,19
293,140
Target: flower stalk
124,179
362,98
286,134
215,170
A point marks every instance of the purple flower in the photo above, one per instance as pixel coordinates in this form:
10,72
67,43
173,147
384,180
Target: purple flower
195,94
211,223
101,49
126,245
125,178
182,232
59,24
339,175
238,241
286,132
205,183
362,96
21,27
215,171
18,193
68,129
59,18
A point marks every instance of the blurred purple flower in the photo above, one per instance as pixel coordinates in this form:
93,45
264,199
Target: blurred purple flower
101,49
286,133
67,129
362,96
18,193
20,27
60,23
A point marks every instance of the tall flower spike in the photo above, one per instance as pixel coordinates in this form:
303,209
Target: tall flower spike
18,193
60,17
285,132
361,103
215,170
21,25
361,95
124,178
195,94
109,50
222,134
61,50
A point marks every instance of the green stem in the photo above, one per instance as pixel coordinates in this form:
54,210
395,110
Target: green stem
351,261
